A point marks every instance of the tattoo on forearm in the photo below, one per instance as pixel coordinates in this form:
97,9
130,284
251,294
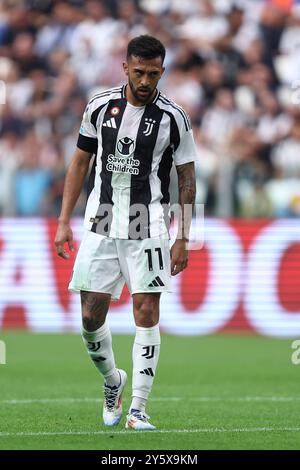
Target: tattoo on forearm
186,183
187,194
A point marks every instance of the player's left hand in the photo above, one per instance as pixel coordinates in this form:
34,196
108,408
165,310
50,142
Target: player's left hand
179,257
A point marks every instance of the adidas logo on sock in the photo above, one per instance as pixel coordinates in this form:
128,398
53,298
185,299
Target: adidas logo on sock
148,371
110,123
156,282
98,358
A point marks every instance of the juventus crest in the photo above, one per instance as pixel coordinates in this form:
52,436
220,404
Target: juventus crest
149,126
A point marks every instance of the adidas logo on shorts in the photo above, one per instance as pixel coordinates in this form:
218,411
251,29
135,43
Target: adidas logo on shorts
157,282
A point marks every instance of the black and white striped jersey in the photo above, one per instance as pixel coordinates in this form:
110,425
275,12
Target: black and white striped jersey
134,148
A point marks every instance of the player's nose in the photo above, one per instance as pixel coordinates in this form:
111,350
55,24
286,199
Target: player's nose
145,82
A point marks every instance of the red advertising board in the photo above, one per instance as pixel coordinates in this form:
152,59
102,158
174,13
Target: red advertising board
245,278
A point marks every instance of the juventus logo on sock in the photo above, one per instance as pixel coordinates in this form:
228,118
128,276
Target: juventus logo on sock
149,353
148,371
93,346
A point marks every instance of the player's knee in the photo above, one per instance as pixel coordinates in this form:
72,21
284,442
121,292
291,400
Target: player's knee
91,323
146,314
94,309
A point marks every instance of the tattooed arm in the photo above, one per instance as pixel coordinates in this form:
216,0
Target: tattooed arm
187,194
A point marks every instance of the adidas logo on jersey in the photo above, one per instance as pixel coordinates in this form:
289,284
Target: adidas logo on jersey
157,282
110,123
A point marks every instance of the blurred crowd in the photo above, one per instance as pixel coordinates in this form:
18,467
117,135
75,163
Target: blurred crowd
233,65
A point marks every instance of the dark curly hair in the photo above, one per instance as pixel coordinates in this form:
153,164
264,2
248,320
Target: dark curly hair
146,47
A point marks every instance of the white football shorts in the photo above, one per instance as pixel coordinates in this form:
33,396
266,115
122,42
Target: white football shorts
104,265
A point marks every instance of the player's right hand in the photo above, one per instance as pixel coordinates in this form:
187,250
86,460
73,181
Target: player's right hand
64,235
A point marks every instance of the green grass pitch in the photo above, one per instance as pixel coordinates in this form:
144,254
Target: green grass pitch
214,392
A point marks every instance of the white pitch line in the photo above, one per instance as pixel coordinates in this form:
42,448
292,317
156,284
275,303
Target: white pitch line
51,400
72,400
246,398
155,431
167,399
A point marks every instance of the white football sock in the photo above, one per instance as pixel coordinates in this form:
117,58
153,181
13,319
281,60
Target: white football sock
138,404
99,347
145,354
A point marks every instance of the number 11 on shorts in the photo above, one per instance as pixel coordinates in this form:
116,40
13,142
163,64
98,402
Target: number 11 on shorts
160,258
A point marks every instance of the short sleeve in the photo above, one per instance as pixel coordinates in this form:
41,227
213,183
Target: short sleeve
185,151
87,139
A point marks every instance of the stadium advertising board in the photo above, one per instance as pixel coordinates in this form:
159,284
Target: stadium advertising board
246,278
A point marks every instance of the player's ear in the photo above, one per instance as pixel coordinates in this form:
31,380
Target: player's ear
162,70
125,68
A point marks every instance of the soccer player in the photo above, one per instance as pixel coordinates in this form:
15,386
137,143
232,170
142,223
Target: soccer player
135,133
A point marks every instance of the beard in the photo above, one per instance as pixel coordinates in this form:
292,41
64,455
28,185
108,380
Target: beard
141,98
